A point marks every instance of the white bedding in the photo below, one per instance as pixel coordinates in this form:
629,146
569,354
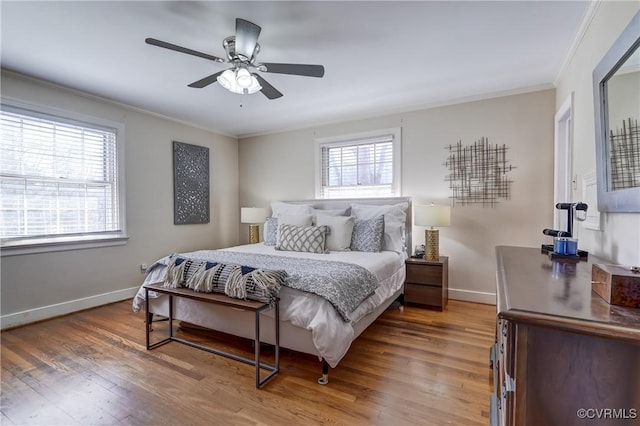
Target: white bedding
331,336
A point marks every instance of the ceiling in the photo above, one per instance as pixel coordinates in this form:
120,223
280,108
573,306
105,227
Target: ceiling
379,57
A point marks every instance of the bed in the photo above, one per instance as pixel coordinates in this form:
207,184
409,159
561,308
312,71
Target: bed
309,322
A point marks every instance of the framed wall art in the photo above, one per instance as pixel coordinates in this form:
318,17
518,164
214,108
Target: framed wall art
190,183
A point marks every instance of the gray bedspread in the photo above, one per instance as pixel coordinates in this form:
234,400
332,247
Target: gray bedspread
344,285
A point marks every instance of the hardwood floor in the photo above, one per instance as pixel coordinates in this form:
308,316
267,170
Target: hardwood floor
410,367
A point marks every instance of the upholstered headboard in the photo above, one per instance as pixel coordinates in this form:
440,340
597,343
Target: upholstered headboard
346,202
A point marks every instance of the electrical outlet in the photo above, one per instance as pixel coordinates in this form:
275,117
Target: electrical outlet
143,267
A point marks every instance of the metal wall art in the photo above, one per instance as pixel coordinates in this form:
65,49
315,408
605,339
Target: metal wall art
625,156
190,183
478,173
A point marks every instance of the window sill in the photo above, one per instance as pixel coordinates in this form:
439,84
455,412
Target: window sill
16,248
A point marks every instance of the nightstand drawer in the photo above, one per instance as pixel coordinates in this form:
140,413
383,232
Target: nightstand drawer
423,294
424,275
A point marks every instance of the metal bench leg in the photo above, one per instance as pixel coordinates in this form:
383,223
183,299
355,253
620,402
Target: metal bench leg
149,320
257,346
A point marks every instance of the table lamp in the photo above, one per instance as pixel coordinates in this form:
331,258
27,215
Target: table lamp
432,216
254,216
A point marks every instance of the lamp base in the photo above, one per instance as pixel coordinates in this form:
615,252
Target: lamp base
432,249
254,234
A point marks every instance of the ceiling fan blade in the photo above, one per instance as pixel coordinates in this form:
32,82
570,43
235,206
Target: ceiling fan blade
181,49
295,69
246,37
268,90
204,82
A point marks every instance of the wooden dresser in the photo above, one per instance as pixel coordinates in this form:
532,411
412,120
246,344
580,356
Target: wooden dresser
563,356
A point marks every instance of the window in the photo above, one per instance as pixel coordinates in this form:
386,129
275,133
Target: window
359,166
59,181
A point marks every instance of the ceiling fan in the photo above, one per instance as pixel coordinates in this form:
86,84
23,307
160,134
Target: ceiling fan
242,50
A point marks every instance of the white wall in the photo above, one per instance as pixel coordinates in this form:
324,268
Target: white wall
619,242
281,167
36,286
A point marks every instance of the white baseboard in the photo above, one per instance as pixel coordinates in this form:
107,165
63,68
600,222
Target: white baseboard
39,314
472,296
45,312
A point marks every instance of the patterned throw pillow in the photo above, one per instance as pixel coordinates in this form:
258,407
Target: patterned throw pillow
395,217
270,231
368,234
310,239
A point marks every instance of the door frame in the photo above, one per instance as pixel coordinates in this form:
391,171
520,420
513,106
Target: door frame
563,161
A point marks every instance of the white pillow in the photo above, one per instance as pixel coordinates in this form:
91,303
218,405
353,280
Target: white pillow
391,212
332,212
278,208
340,231
394,236
395,217
295,219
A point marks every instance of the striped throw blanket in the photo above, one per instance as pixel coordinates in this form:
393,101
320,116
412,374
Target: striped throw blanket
234,280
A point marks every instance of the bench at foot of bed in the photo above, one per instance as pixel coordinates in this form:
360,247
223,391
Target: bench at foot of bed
219,299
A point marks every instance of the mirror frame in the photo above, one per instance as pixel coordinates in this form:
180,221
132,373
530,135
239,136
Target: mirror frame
623,200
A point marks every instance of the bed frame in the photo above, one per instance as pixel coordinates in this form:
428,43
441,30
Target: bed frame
240,323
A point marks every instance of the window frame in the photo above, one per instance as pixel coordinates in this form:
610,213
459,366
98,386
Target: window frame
357,139
31,245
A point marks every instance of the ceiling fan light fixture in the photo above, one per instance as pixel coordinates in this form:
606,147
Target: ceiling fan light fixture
254,87
227,80
242,50
230,80
244,78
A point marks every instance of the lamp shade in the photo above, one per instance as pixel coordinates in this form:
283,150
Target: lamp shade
254,87
227,79
243,78
432,215
253,214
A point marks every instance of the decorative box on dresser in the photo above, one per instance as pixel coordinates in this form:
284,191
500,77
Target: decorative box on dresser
563,355
427,282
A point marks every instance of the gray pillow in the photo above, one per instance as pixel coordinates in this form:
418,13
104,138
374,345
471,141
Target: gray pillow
368,234
310,239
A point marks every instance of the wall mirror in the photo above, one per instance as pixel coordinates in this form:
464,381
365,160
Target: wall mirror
616,82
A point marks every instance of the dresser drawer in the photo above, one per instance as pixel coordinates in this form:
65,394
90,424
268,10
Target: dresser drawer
423,294
423,274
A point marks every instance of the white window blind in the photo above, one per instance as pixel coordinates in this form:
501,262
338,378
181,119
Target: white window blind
361,167
58,177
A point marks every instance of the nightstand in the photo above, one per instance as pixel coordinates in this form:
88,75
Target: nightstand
427,282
